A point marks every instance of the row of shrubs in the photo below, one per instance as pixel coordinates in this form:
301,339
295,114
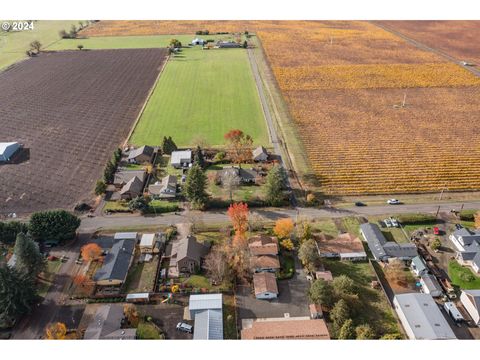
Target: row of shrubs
412,219
467,215
106,300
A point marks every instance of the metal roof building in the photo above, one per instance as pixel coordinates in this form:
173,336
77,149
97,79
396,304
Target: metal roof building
125,236
116,264
430,285
421,318
207,310
7,149
375,239
418,266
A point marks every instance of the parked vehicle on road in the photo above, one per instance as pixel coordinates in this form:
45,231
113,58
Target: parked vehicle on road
393,202
436,231
359,203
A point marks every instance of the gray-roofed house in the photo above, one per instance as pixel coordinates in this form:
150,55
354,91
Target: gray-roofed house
421,317
181,159
260,154
166,189
141,155
467,244
382,249
207,312
245,176
418,266
116,264
430,285
471,302
107,324
186,256
132,189
7,150
124,176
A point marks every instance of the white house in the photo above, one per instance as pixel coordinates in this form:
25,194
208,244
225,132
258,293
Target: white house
467,244
265,286
7,149
181,159
471,301
421,318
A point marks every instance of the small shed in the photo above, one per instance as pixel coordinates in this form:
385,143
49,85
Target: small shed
125,236
260,154
265,286
430,285
138,298
147,243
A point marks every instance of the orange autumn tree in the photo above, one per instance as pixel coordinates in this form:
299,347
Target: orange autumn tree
238,213
91,252
56,331
239,146
81,280
283,228
477,220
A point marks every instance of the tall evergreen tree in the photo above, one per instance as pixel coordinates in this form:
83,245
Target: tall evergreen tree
274,185
198,157
171,144
10,229
17,293
195,187
109,173
29,259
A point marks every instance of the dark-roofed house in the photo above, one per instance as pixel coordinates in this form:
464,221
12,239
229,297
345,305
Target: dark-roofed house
186,256
467,243
263,245
116,264
124,176
260,154
141,155
245,176
382,249
268,263
471,301
166,189
107,324
265,285
132,189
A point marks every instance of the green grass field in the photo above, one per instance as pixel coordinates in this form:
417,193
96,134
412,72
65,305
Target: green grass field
14,44
202,94
462,276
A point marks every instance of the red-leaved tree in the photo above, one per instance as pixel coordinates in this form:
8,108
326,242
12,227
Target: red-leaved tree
238,213
239,146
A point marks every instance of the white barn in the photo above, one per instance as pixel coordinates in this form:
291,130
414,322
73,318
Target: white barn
7,149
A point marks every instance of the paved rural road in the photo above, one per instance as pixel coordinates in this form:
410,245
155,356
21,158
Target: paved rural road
217,217
419,45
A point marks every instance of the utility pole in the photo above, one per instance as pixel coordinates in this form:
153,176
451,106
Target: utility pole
443,190
438,210
404,99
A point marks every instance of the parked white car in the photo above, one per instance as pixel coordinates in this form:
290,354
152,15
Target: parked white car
394,222
387,223
393,202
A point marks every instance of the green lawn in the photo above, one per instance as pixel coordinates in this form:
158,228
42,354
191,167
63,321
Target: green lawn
162,206
141,277
462,276
13,45
203,94
148,331
327,227
51,268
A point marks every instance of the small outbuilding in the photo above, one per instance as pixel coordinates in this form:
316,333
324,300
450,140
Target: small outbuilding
418,266
430,285
181,159
260,154
7,150
265,286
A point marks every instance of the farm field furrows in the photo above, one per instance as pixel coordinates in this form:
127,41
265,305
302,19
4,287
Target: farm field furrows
202,95
70,110
455,38
14,44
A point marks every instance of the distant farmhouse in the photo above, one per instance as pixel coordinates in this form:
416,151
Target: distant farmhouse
382,249
228,44
181,159
467,243
7,150
142,155
344,247
421,318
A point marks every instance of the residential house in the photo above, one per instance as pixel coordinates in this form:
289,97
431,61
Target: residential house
471,302
141,155
207,312
430,285
181,159
418,266
421,317
268,263
265,285
198,41
228,44
7,150
345,247
147,243
260,154
287,328
132,189
467,244
263,245
166,189
244,176
124,176
186,256
107,324
382,249
116,264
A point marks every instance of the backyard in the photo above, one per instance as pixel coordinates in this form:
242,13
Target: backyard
462,276
202,94
141,277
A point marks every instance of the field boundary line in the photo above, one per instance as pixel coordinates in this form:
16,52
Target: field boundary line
142,109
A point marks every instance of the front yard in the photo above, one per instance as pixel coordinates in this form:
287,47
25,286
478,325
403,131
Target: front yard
462,276
47,276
